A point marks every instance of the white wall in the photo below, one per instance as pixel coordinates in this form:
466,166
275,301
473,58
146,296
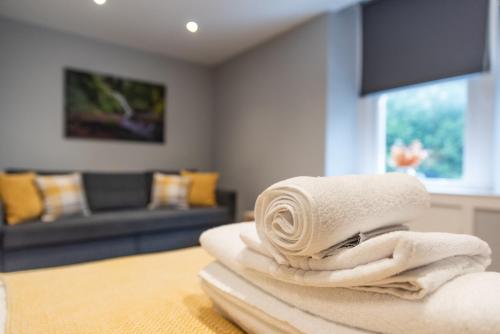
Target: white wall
32,60
496,120
344,71
273,104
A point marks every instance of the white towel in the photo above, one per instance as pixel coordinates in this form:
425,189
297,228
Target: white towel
252,321
258,312
466,304
306,216
405,264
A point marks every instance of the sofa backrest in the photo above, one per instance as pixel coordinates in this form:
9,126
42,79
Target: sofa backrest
107,191
115,191
38,171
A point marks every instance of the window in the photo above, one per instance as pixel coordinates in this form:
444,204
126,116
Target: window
424,129
454,121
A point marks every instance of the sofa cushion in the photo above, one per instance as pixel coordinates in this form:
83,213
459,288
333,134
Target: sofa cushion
116,191
21,197
203,187
149,179
63,195
170,191
110,224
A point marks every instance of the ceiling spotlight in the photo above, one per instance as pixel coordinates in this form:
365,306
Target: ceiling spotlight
100,2
191,26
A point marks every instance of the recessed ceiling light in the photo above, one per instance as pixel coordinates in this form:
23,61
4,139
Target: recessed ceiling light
100,2
191,26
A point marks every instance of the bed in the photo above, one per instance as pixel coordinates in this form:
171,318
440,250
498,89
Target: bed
155,293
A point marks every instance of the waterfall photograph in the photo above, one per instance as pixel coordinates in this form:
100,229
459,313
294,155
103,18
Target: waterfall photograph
101,106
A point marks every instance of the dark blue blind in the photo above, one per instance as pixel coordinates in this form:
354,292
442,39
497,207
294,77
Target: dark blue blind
407,42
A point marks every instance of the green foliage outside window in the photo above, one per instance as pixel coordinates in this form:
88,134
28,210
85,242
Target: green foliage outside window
433,114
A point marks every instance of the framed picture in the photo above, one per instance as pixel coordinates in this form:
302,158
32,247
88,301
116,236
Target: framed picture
101,106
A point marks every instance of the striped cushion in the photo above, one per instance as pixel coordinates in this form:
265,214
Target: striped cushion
169,191
62,195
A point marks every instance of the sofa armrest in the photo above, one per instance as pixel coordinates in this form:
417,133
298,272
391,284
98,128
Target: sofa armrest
3,220
227,198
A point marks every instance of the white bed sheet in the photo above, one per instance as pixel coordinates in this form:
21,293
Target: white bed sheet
3,308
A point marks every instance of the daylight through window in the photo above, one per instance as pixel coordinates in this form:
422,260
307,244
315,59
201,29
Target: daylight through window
425,129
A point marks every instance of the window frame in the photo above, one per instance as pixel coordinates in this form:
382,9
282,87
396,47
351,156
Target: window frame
478,138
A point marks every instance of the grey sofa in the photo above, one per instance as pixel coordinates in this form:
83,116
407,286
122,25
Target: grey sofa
120,225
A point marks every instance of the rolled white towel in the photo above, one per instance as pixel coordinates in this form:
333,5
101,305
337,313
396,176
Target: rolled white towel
304,216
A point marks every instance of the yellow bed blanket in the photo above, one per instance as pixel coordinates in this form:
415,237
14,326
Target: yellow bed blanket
158,293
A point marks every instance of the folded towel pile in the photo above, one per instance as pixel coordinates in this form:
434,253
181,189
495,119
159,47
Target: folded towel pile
331,255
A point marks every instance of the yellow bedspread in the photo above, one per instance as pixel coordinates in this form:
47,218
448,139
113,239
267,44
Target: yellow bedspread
158,293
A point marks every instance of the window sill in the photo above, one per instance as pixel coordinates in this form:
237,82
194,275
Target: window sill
460,191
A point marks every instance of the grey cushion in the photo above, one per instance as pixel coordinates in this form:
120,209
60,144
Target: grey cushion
115,191
110,224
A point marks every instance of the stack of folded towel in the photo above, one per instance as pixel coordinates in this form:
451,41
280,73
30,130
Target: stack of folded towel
330,255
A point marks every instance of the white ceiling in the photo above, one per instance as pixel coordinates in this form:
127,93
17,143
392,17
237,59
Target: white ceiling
227,27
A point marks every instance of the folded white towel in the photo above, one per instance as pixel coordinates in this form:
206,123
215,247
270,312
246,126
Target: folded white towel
252,321
257,311
306,216
405,264
466,304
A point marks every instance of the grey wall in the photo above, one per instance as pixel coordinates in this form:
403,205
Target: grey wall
486,227
282,109
496,101
31,104
273,104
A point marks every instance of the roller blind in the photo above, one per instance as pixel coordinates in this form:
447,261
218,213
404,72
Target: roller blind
407,42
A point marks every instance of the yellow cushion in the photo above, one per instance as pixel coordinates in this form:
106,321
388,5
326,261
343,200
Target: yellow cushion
20,197
203,186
